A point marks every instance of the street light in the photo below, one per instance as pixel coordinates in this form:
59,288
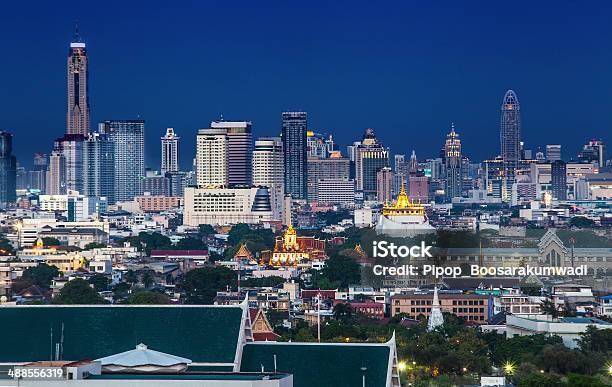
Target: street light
363,370
401,365
509,368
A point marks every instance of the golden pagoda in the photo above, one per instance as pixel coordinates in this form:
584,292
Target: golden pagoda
403,218
403,206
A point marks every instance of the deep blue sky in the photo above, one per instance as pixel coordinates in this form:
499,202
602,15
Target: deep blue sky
405,68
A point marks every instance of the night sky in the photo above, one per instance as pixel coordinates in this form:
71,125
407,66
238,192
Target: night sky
405,68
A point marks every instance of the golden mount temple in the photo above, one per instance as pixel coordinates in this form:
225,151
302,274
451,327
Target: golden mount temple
403,217
291,250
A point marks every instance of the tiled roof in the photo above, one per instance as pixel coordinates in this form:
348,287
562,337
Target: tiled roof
204,334
314,364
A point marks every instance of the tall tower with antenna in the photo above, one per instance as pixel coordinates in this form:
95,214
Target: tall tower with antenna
77,118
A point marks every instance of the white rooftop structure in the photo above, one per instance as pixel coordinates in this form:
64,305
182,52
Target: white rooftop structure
144,359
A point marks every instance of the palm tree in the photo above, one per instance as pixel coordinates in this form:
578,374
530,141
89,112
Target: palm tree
549,307
147,279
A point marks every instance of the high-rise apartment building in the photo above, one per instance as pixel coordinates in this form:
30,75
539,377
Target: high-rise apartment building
239,151
384,185
325,168
268,171
453,164
56,174
294,136
170,152
553,152
8,170
370,157
127,137
77,120
71,147
510,139
212,158
99,165
558,180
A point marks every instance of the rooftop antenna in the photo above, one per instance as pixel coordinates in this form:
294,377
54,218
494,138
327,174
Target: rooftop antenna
77,37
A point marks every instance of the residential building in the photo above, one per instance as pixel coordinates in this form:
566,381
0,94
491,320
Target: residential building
553,152
8,170
212,158
294,136
333,168
384,185
336,192
239,151
170,152
128,139
99,167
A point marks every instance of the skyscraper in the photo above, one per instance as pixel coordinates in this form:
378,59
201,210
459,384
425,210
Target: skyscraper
370,157
268,171
593,151
212,158
71,147
558,180
452,158
128,140
77,121
384,185
99,166
510,139
8,170
56,174
336,167
294,125
169,152
553,152
239,151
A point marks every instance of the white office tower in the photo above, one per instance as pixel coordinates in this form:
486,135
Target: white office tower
268,171
212,158
169,152
239,151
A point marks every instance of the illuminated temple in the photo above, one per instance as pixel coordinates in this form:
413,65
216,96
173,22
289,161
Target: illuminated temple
292,250
403,218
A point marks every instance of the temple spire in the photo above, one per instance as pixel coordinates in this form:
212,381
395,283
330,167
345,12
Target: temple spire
435,318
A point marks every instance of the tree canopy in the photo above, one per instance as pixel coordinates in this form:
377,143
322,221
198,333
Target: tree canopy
78,292
201,285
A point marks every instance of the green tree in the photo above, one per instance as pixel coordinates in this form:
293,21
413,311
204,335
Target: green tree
581,222
78,292
6,248
541,380
149,241
201,285
94,245
147,278
271,281
342,269
343,312
190,244
548,307
205,230
50,241
575,380
41,275
100,282
130,277
596,340
146,298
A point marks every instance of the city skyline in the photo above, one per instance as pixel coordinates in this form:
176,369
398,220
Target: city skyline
341,110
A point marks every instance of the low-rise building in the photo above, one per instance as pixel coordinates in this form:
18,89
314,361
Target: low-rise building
568,328
472,307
